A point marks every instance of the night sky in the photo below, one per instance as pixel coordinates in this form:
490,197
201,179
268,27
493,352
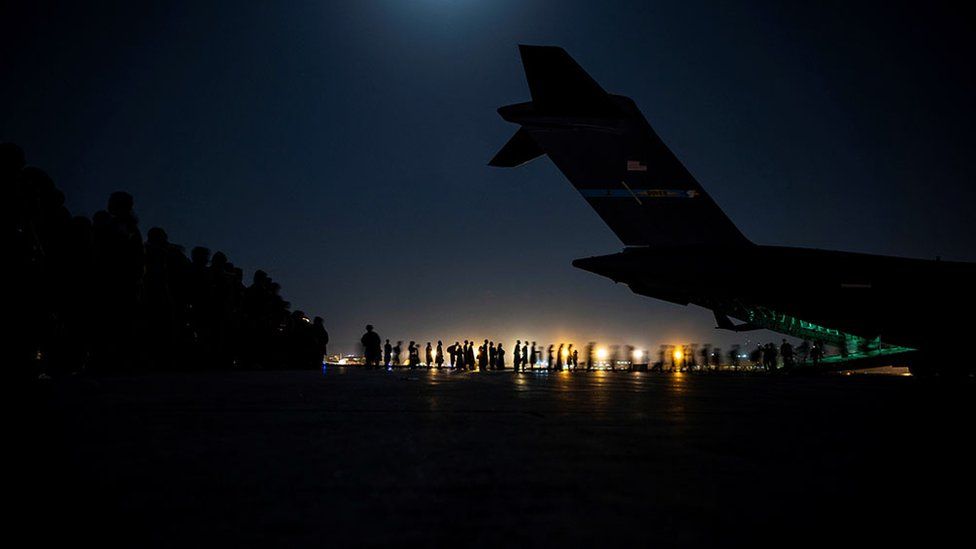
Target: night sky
342,146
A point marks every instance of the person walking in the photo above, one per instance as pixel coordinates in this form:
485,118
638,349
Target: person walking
396,354
483,357
517,355
371,347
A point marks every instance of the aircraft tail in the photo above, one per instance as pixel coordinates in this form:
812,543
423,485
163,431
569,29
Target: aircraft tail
605,147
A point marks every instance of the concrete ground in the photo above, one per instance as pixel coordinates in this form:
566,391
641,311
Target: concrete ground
436,458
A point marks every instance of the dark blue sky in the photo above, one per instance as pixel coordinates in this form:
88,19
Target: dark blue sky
342,145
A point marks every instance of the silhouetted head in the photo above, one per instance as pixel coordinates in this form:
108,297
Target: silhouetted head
387,341
219,260
120,203
157,237
200,256
369,328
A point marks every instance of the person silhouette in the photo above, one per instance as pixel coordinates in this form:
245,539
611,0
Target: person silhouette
120,264
500,358
734,356
396,354
439,355
387,353
371,347
559,357
803,350
469,356
817,352
413,355
428,356
533,357
517,355
483,357
452,353
492,356
786,351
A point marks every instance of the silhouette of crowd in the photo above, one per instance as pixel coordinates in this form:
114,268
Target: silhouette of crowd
472,356
91,294
488,355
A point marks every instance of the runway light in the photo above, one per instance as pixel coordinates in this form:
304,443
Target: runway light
601,353
638,354
565,353
678,354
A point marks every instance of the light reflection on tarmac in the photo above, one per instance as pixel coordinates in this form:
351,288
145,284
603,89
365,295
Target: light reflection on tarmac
490,459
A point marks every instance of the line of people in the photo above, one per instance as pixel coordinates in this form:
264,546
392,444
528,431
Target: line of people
92,294
768,356
469,355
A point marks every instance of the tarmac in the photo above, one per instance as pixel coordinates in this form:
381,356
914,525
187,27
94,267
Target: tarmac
369,457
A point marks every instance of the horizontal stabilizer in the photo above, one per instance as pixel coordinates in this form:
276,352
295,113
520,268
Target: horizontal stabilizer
520,149
604,146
